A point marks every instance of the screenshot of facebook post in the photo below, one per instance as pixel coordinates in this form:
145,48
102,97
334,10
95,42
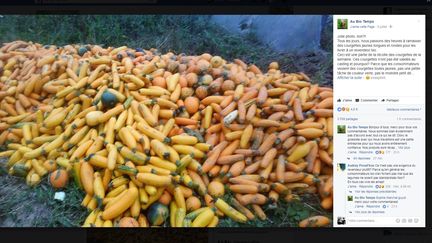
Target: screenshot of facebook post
212,121
379,121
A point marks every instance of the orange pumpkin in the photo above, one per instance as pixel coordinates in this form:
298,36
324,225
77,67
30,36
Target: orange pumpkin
165,198
216,189
50,165
274,65
216,61
186,92
191,104
206,56
192,203
58,178
182,67
206,79
183,82
128,222
159,81
228,85
191,78
203,65
201,92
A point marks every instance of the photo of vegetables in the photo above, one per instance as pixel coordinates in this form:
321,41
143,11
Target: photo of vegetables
110,126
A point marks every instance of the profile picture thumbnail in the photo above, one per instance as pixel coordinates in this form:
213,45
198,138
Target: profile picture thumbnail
341,129
341,166
341,220
342,24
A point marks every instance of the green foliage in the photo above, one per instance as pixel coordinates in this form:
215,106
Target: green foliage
27,206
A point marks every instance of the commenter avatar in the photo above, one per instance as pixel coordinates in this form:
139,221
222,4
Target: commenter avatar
341,129
342,24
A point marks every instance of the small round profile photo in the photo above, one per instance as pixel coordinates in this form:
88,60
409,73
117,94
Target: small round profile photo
341,129
341,167
341,220
342,24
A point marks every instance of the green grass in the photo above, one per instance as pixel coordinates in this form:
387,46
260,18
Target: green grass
24,206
